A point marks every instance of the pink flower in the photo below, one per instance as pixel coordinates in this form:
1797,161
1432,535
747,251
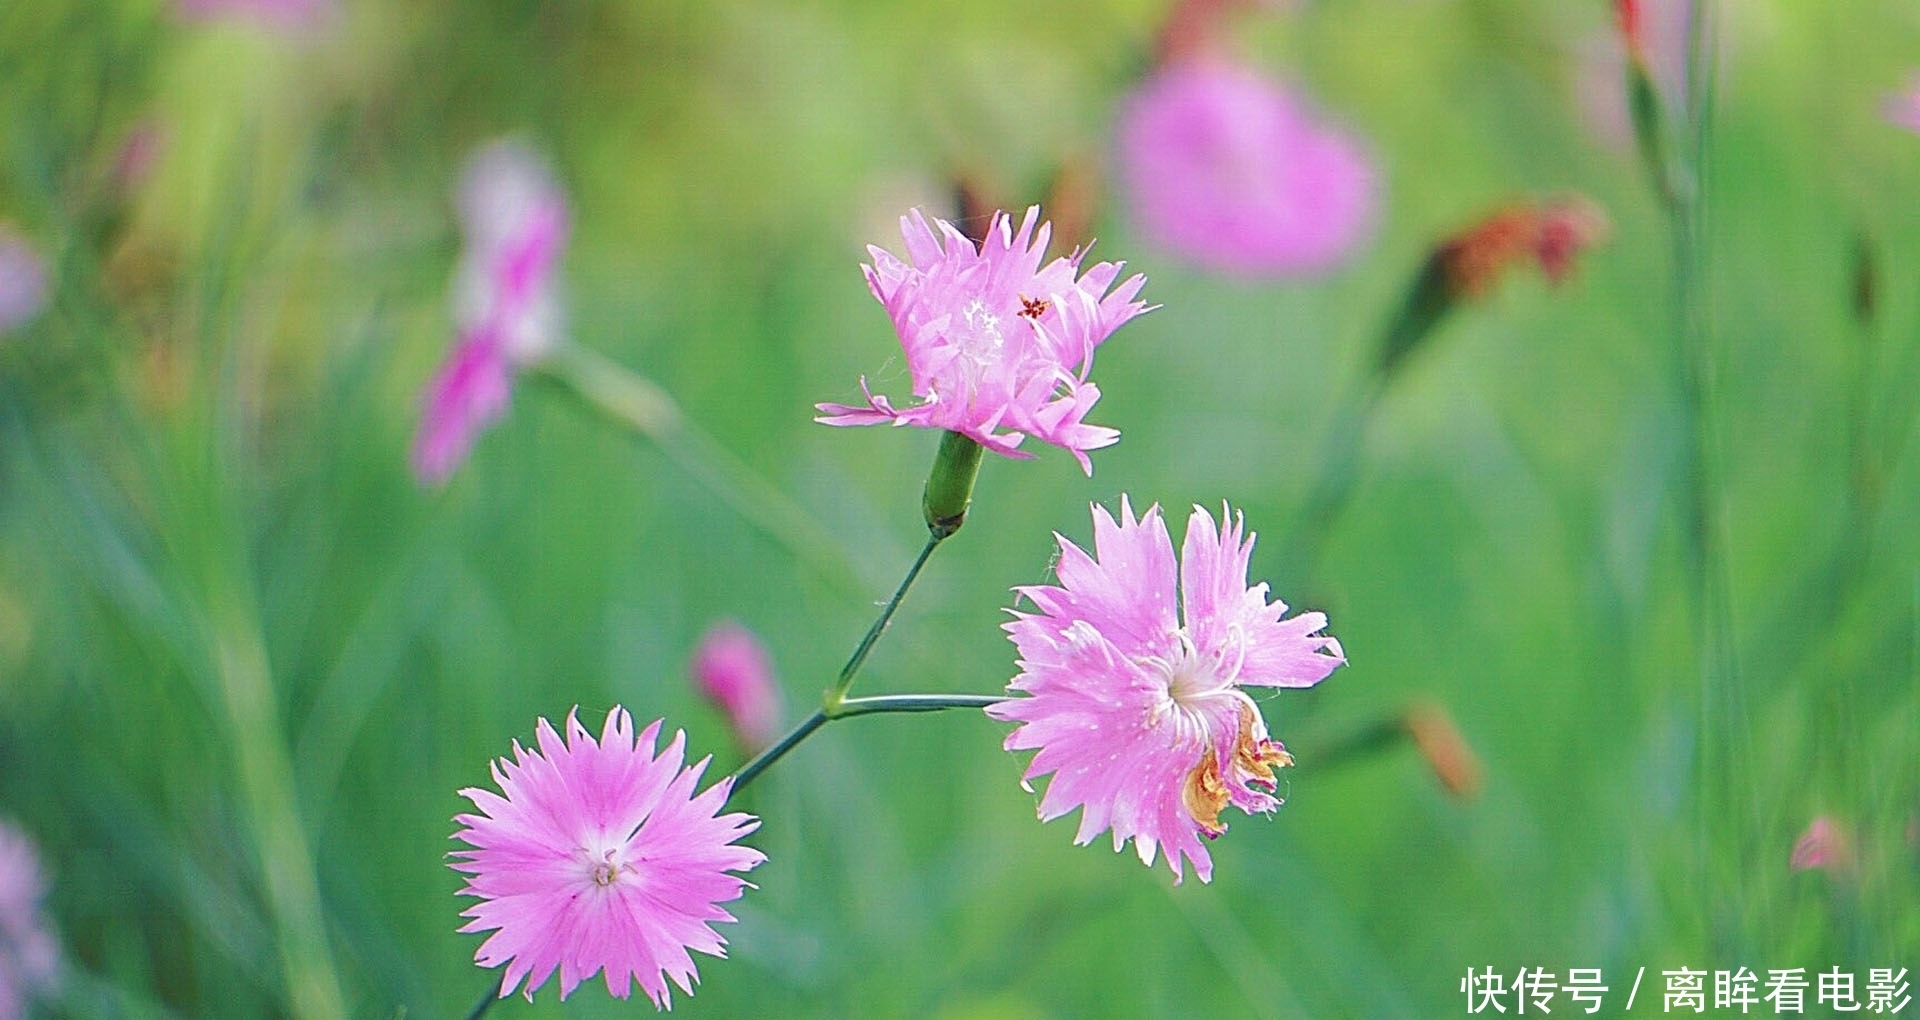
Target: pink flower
1225,168
465,396
600,856
1135,676
282,14
999,345
23,282
1824,845
734,672
505,305
29,957
1902,109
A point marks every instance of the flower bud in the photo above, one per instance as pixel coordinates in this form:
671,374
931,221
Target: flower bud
734,672
1468,265
1446,750
950,484
1825,846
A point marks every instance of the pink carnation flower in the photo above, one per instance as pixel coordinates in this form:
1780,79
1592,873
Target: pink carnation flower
1228,170
1134,667
600,856
23,282
29,957
734,672
505,303
999,345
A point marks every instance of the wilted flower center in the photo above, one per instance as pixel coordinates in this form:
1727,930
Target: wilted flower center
1195,683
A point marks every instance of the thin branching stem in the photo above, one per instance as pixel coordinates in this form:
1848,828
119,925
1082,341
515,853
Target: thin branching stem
751,771
838,692
847,708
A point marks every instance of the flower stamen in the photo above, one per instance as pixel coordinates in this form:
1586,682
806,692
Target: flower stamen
606,872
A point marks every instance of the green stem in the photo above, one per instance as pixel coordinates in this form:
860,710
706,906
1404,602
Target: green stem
627,397
838,692
486,1002
1429,297
1719,747
847,708
1339,471
633,401
763,506
751,770
913,703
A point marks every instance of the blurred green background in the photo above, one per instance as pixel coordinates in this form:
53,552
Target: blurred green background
246,661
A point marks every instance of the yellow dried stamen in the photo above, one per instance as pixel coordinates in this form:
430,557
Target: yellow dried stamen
1256,759
1033,308
1253,760
1206,794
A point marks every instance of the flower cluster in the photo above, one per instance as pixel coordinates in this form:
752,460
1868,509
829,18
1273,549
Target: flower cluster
601,857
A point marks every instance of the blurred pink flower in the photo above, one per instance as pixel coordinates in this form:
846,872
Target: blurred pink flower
1902,109
1824,846
600,856
283,14
1135,673
1225,168
29,957
23,282
468,392
1658,30
514,219
734,672
139,155
995,340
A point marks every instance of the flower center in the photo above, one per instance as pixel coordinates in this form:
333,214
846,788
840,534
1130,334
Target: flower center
980,340
1193,681
1188,679
1228,761
607,869
1193,678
